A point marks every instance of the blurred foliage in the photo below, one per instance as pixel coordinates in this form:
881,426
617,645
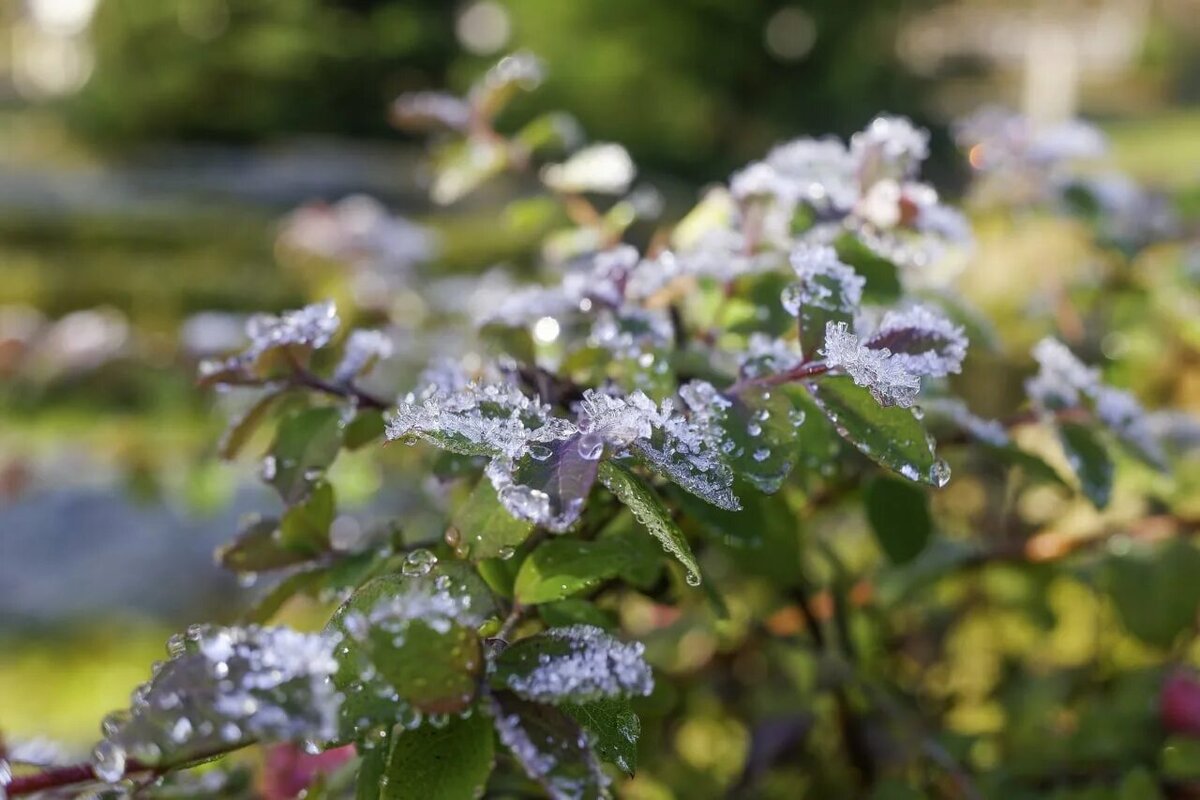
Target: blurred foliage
253,69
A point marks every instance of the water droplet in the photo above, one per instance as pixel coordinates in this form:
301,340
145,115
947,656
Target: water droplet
108,761
939,473
417,563
591,446
918,412
505,553
692,578
269,468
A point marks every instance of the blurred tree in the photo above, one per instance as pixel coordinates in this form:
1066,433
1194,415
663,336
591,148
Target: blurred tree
691,84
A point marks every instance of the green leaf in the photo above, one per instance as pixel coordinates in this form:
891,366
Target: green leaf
257,548
305,527
574,611
447,763
1036,470
891,437
883,278
1156,592
564,566
649,510
1090,460
373,763
614,728
763,538
269,604
486,527
241,429
549,746
305,445
765,314
899,515
366,427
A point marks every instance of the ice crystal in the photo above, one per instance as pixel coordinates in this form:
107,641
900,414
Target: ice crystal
825,282
889,382
618,420
312,326
631,331
549,748
580,663
223,686
363,349
421,601
603,168
490,419
922,341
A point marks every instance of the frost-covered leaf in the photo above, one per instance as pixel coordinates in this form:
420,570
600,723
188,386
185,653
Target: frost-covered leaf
478,420
565,566
486,527
550,746
921,341
549,484
891,437
409,646
363,350
273,341
649,510
306,443
450,762
899,515
684,450
1155,591
222,687
305,526
614,728
577,664
759,432
884,376
605,168
986,431
828,291
890,147
1090,461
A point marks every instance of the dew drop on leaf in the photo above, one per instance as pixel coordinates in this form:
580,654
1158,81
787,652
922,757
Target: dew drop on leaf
108,761
418,562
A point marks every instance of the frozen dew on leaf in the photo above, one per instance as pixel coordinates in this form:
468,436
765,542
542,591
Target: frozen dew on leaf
922,341
889,147
223,686
821,172
825,282
577,664
888,380
310,327
364,348
768,355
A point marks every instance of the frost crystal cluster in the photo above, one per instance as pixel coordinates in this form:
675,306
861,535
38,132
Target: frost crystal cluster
580,663
221,687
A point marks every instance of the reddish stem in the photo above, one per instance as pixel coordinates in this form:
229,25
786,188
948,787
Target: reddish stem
58,777
809,369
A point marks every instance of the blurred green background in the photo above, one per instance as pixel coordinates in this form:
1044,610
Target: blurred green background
148,150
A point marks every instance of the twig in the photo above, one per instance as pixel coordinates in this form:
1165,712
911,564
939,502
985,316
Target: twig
809,369
302,377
